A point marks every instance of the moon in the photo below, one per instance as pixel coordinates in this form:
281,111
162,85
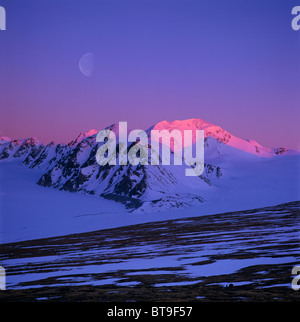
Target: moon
87,64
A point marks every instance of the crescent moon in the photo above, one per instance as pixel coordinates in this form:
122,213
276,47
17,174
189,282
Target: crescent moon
87,64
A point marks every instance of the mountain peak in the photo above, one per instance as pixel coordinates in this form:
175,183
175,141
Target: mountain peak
32,141
90,133
81,136
5,138
215,132
194,123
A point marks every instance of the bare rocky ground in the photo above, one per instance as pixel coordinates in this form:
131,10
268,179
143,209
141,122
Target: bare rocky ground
235,256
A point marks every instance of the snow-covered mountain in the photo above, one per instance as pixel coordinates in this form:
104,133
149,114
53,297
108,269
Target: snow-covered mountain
73,167
81,136
19,148
215,132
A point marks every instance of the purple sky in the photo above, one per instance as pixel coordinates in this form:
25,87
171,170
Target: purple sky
233,63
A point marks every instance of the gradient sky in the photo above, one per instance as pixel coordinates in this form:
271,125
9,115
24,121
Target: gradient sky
233,63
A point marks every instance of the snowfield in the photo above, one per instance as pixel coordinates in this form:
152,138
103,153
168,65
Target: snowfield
29,211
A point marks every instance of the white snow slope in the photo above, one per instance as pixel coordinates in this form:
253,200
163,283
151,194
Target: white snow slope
29,211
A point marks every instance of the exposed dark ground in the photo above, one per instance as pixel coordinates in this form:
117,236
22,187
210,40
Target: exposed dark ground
236,256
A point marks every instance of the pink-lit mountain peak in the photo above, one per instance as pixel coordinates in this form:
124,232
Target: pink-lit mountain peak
33,141
195,124
192,124
90,133
215,132
5,138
